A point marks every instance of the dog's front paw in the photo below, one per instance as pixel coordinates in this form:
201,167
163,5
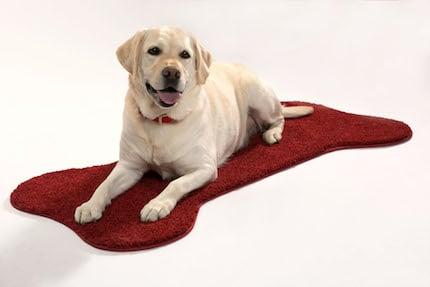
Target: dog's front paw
88,212
272,135
157,209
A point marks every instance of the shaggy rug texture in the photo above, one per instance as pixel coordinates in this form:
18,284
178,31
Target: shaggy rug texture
57,194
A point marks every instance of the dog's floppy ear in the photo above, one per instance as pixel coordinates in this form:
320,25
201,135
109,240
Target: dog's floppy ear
128,52
203,61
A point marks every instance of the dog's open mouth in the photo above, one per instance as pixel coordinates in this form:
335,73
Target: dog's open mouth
166,98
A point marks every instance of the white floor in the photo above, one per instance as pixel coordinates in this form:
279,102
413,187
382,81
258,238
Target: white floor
349,218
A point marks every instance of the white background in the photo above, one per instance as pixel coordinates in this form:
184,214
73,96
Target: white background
349,218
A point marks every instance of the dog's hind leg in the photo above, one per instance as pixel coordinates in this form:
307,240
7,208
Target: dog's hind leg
268,111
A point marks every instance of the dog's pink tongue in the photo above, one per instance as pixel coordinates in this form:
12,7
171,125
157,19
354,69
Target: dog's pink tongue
169,98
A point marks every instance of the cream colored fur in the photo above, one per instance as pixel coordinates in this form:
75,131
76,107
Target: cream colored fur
221,106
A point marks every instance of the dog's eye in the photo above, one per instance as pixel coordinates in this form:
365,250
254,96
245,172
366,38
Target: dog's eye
184,55
154,51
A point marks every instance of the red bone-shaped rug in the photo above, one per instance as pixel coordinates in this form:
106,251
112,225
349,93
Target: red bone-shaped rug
57,194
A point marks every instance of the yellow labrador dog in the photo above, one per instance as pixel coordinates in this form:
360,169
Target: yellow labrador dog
183,117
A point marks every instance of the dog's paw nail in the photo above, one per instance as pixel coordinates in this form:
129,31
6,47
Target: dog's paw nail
87,212
156,209
272,136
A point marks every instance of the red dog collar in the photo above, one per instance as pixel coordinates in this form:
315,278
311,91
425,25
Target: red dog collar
164,119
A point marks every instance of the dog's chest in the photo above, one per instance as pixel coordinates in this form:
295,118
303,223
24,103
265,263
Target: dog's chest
155,153
163,145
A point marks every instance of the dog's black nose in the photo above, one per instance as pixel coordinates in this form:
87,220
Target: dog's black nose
171,73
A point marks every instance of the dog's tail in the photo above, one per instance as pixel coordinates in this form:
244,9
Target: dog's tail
297,111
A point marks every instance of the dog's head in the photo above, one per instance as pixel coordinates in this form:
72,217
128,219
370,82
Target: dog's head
164,64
